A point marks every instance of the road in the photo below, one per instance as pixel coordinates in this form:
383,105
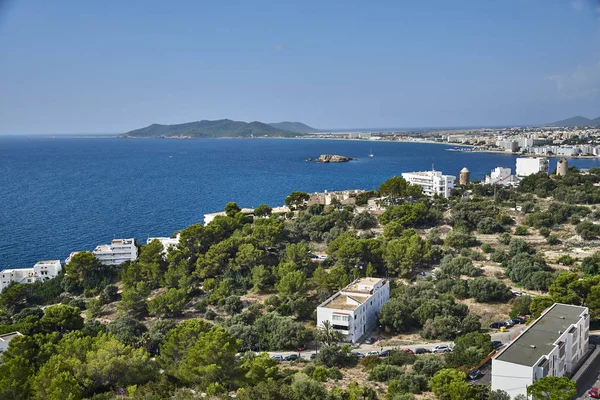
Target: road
503,337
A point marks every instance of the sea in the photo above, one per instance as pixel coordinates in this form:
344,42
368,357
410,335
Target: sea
62,194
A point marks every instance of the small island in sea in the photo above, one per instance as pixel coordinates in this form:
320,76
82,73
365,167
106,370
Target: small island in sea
333,158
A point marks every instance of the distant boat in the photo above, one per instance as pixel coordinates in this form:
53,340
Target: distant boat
371,153
308,159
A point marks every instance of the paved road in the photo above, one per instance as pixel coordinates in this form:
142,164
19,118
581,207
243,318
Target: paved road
503,337
590,379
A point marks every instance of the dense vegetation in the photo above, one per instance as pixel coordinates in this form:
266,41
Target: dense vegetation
173,324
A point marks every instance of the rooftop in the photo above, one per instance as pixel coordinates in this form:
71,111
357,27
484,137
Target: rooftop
345,302
9,336
49,262
538,339
223,213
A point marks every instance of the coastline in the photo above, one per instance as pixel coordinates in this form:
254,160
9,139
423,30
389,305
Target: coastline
534,155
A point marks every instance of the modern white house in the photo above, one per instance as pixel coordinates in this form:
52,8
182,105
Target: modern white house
553,345
118,251
6,338
353,310
432,182
168,243
41,271
531,165
500,176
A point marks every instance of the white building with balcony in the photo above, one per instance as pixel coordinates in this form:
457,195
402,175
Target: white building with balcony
118,251
500,176
353,310
41,271
531,165
432,182
554,345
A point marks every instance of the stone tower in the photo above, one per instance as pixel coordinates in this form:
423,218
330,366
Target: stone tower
562,166
465,176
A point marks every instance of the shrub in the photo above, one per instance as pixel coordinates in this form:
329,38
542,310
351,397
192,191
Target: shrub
320,374
233,305
428,365
385,372
210,314
521,230
486,290
552,240
201,306
409,383
79,303
369,362
364,220
335,373
486,248
545,232
400,358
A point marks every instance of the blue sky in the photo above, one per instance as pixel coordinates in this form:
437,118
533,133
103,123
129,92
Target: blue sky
111,66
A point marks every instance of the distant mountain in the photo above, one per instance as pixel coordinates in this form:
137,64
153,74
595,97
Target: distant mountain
222,128
294,127
577,121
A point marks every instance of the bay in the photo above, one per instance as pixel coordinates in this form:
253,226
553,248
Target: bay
64,194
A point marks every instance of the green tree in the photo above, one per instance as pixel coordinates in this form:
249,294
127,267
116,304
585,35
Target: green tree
403,255
469,350
87,272
62,318
259,368
263,210
178,342
293,284
231,209
297,200
328,335
396,187
552,388
485,290
168,304
133,300
15,378
211,359
127,330
450,384
262,279
149,267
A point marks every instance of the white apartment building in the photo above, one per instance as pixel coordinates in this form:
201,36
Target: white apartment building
531,165
353,310
168,243
553,345
500,176
432,182
41,271
6,338
118,251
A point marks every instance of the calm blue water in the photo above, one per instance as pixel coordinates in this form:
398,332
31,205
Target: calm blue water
65,194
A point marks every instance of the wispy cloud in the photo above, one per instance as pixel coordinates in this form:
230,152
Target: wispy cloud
584,82
279,47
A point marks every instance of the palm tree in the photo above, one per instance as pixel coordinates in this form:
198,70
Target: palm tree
328,335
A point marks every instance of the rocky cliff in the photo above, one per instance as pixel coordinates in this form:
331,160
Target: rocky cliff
327,158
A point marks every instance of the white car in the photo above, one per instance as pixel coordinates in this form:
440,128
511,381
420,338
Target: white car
442,348
373,353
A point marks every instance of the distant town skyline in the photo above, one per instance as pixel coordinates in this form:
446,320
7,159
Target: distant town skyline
110,67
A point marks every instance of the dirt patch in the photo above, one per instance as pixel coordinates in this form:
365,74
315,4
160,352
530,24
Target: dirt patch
487,312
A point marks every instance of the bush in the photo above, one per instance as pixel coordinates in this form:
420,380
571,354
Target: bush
552,240
335,373
400,358
428,365
486,290
210,314
201,306
499,256
486,248
79,303
385,372
369,362
521,230
109,294
364,220
587,230
460,240
488,226
545,232
233,305
320,374
409,383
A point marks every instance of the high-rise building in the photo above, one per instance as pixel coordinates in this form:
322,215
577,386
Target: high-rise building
531,165
432,182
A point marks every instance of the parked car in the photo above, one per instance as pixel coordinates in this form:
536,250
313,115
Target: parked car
370,340
409,351
516,293
509,323
442,348
474,374
277,357
301,348
594,393
518,320
292,357
385,353
313,356
357,354
497,344
421,350
373,353
497,325
422,273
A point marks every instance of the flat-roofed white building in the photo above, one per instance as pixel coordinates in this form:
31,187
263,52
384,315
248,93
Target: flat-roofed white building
41,271
553,345
531,165
168,243
118,251
501,176
432,182
353,310
6,338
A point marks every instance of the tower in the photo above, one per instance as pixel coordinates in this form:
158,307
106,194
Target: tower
562,166
465,176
